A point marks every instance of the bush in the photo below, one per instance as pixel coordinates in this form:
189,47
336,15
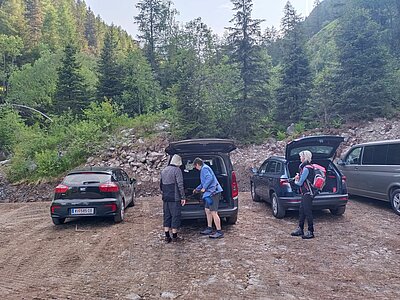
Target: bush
11,126
43,153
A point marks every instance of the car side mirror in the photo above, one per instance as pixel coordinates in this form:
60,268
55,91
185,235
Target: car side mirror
132,180
254,170
341,162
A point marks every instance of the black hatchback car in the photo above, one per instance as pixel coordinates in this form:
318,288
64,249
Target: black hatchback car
215,153
270,182
93,192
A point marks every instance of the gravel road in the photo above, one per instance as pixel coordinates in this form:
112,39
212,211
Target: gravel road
355,256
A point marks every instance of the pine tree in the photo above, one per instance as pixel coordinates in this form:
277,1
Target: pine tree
34,16
67,28
363,63
110,81
294,90
71,93
155,21
50,34
90,29
12,18
142,93
254,99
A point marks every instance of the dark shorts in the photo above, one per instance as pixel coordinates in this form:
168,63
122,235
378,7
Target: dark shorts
215,202
172,214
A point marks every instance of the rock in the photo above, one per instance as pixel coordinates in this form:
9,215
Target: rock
168,295
291,129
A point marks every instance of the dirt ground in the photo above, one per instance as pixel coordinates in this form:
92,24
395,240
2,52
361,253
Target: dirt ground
355,256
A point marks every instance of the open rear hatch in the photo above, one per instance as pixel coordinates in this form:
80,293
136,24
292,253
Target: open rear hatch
321,147
200,146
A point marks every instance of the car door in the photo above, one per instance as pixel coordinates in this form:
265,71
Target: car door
270,178
351,169
259,180
264,181
128,187
122,184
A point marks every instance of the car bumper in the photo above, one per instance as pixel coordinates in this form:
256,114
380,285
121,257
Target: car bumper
200,213
61,208
319,202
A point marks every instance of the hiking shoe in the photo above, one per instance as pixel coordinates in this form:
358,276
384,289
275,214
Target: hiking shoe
207,231
216,235
168,239
177,239
308,235
297,232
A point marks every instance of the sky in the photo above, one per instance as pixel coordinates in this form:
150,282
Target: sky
215,13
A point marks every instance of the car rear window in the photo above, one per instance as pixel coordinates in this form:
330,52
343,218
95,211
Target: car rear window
314,149
86,178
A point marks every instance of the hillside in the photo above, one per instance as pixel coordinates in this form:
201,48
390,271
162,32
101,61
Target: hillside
143,158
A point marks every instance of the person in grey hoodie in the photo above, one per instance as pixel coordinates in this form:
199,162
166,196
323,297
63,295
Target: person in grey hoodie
173,196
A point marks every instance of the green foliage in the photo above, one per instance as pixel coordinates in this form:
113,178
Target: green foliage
142,93
280,135
71,91
10,127
110,73
67,142
294,91
35,85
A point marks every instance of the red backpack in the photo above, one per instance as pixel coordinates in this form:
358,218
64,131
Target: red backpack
319,176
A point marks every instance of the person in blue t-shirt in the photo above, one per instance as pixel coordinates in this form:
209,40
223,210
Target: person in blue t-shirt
211,190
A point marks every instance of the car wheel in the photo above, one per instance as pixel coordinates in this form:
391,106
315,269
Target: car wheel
395,201
338,211
277,209
232,220
254,196
121,213
132,203
58,221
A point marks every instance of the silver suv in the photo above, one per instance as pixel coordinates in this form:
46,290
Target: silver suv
373,170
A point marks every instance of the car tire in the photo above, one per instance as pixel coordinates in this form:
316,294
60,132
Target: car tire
58,221
232,220
254,196
395,201
132,203
277,208
121,214
338,211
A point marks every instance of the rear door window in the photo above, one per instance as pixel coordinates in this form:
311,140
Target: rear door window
393,155
271,167
86,178
375,155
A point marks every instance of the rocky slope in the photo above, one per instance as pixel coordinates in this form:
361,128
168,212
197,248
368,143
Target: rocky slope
143,158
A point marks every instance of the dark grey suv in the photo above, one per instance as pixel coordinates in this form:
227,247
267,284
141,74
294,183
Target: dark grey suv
270,182
93,192
215,153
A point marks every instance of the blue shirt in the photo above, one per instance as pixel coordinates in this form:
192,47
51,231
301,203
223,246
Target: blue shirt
303,177
208,182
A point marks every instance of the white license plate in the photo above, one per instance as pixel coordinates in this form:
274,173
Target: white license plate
82,211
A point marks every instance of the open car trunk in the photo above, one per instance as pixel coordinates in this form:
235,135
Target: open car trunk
333,177
191,179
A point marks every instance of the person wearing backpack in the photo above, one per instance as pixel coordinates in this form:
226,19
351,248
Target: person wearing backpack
303,179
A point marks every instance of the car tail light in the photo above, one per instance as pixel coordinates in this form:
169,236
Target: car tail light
235,188
109,187
113,206
54,207
344,178
284,182
61,189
